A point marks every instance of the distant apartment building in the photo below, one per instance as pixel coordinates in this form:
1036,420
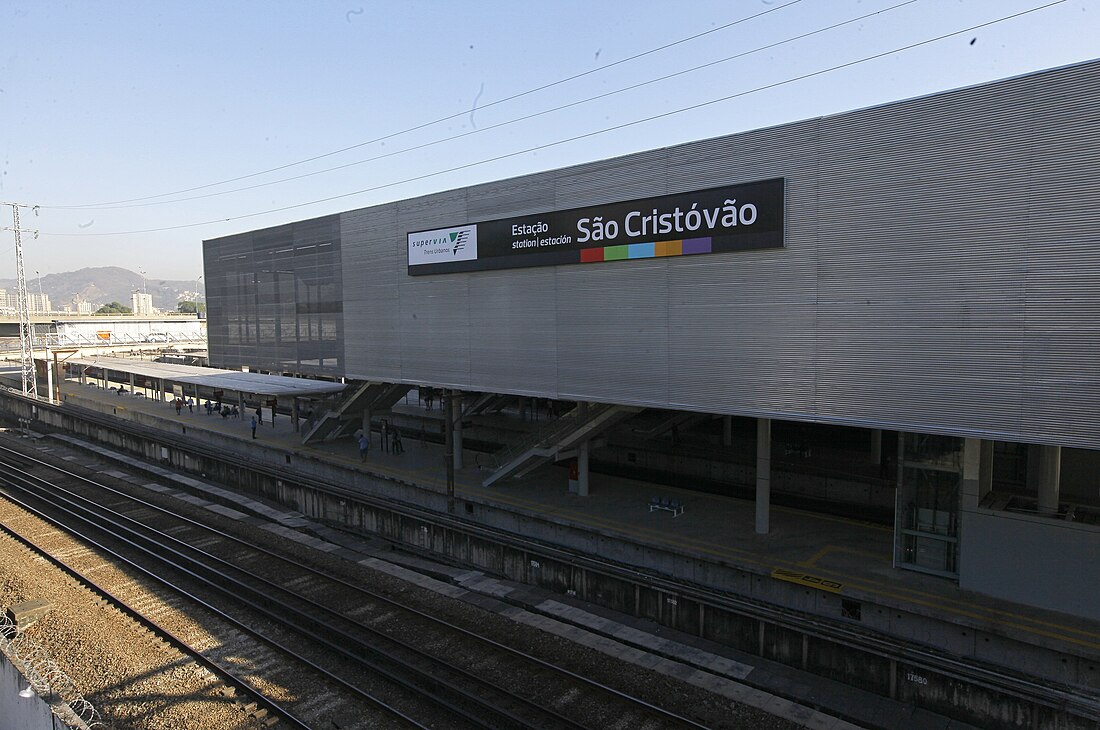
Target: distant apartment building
36,303
39,303
79,306
142,303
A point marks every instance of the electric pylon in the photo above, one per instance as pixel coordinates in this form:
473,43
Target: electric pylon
26,329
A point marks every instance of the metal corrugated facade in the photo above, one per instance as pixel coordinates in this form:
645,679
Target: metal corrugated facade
941,274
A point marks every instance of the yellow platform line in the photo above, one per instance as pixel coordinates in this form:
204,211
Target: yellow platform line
840,549
958,607
937,601
832,518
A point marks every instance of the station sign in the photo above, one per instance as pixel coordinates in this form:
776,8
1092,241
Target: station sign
718,220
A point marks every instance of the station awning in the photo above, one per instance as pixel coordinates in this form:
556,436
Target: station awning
232,380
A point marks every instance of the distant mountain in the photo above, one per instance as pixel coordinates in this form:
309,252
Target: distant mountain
104,284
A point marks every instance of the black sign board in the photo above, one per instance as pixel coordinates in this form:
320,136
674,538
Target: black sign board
730,218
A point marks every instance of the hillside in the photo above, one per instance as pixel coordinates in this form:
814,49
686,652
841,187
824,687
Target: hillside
104,284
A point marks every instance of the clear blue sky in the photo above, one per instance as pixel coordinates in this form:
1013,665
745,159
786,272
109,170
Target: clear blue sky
113,101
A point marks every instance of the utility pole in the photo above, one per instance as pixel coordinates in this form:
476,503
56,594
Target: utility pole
26,329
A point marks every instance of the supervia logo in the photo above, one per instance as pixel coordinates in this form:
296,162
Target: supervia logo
458,238
443,245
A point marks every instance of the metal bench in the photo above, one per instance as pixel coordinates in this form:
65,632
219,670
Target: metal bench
675,506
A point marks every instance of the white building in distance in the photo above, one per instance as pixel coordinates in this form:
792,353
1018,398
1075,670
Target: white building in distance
36,303
142,303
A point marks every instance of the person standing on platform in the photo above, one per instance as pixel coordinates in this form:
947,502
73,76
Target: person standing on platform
179,406
190,405
397,447
385,435
260,414
364,446
253,427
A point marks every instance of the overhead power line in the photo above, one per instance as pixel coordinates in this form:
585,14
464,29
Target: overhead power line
586,135
515,120
440,120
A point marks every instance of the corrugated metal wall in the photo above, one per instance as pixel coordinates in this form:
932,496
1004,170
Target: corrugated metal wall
941,274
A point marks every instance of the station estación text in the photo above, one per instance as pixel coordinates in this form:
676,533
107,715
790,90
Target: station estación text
738,217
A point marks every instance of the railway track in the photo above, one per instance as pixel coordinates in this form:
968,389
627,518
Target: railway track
329,642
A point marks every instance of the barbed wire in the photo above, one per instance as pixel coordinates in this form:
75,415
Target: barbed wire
47,679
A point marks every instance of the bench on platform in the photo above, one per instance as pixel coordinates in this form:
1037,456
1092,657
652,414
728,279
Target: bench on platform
675,506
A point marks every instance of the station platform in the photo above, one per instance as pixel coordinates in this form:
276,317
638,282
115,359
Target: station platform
849,557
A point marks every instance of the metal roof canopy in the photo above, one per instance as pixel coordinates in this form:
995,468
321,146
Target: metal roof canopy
235,380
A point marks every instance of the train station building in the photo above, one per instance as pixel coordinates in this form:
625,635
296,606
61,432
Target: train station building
890,314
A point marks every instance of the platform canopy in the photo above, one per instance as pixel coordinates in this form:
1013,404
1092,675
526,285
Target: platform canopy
233,380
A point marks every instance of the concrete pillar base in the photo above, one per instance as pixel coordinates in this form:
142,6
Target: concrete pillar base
1050,473
763,475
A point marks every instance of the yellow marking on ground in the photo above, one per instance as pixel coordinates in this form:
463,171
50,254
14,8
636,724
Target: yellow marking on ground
807,580
938,605
834,518
817,556
969,609
936,601
876,588
838,549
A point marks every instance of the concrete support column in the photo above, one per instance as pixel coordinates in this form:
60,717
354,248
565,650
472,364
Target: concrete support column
985,474
971,475
456,413
240,404
294,413
448,439
727,430
876,446
582,454
49,377
365,425
763,475
1032,462
1050,472
131,383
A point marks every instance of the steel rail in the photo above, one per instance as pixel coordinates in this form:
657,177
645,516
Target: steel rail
190,595
260,600
278,610
357,588
1058,696
226,676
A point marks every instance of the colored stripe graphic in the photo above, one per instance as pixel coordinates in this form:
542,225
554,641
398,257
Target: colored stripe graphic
646,250
669,248
696,245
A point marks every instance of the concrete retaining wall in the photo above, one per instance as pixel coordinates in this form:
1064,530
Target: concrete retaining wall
22,713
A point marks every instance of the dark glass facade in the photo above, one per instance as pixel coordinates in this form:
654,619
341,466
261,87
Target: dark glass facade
275,299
